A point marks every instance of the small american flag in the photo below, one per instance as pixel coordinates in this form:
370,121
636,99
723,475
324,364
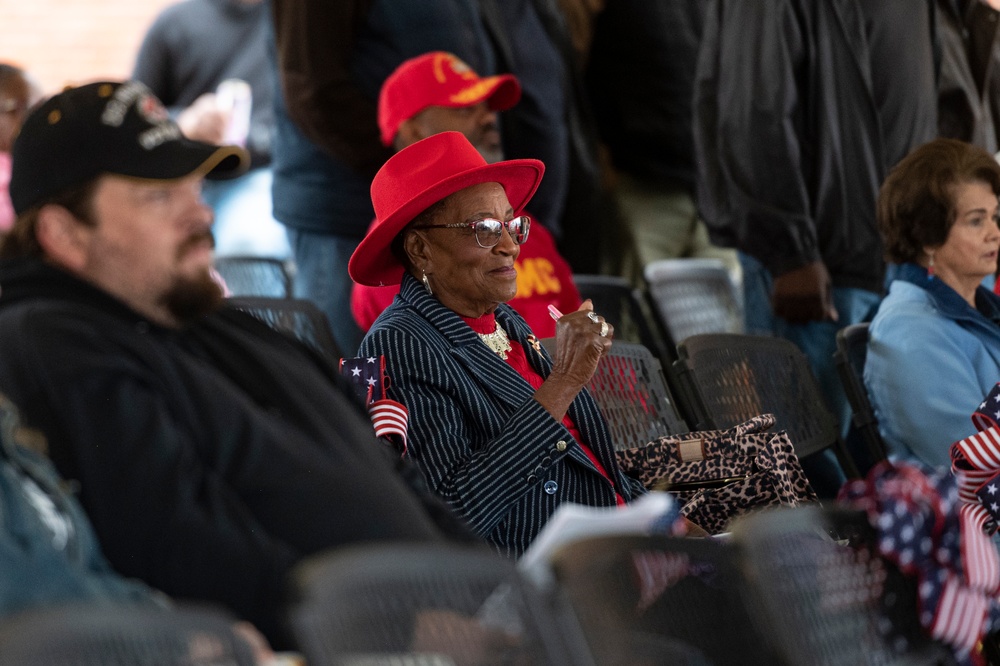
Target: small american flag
988,414
367,376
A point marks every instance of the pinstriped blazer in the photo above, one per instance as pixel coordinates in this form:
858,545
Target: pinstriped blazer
484,444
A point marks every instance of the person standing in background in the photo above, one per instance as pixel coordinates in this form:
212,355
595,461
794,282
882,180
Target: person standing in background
331,59
191,48
801,108
969,85
640,78
554,123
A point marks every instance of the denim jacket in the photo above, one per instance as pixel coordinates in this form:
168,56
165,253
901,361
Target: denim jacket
931,360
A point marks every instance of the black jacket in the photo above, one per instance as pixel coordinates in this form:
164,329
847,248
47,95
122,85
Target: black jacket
640,76
799,118
209,459
969,85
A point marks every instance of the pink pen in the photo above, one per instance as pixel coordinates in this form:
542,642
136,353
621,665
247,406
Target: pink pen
554,312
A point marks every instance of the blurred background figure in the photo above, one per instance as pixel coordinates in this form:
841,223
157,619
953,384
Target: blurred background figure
640,77
554,122
18,93
802,107
969,83
191,48
331,58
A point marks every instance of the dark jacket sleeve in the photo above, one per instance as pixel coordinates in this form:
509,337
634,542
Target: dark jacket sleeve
314,43
749,110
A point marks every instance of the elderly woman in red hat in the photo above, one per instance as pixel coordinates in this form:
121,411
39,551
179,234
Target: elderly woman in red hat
502,432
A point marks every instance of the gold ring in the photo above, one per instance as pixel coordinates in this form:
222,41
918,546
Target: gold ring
604,329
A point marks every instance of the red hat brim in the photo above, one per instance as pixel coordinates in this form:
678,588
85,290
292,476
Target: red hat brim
373,263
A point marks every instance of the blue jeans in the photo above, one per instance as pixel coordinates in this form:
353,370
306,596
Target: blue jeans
816,339
321,276
243,221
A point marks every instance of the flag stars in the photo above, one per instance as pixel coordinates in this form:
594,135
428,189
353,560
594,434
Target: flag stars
356,372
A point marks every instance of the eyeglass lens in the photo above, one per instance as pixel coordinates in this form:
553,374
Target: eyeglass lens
488,231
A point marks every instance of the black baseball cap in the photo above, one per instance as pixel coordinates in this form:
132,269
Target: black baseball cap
108,127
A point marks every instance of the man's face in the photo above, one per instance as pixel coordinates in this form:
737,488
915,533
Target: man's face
151,245
477,122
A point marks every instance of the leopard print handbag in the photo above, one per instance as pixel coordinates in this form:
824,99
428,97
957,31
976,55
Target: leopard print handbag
720,474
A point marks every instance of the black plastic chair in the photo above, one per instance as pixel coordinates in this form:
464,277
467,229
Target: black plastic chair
632,394
728,378
297,317
424,604
852,350
628,310
825,595
121,635
255,276
694,296
685,592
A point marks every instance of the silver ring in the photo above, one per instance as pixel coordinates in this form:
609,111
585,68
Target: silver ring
592,316
604,329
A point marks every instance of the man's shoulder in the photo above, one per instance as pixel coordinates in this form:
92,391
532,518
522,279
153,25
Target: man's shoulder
42,315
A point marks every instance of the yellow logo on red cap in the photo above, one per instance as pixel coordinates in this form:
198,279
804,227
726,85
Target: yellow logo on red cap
458,67
472,94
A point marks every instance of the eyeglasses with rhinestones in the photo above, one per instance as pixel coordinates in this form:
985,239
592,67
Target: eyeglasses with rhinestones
488,230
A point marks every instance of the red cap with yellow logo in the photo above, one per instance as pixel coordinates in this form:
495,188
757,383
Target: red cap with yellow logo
439,79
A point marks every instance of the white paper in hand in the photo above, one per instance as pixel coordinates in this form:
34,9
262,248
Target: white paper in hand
653,513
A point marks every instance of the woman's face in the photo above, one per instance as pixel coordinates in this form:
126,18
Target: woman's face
467,278
969,253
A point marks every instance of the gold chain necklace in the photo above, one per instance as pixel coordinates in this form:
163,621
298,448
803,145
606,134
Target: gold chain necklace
497,341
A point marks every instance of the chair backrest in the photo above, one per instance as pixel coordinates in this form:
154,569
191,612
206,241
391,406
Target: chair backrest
728,378
824,593
632,394
852,350
627,309
686,592
121,635
694,296
255,276
297,317
423,604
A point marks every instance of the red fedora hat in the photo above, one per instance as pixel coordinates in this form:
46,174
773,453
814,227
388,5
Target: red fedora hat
423,174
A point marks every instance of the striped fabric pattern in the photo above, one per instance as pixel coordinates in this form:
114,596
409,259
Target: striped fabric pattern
483,443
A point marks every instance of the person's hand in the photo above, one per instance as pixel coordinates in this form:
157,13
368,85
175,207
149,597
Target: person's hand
204,120
804,294
462,638
579,343
261,648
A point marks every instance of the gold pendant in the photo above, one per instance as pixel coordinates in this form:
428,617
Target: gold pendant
497,341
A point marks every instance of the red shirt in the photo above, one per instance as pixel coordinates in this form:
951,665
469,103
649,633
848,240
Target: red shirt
543,278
